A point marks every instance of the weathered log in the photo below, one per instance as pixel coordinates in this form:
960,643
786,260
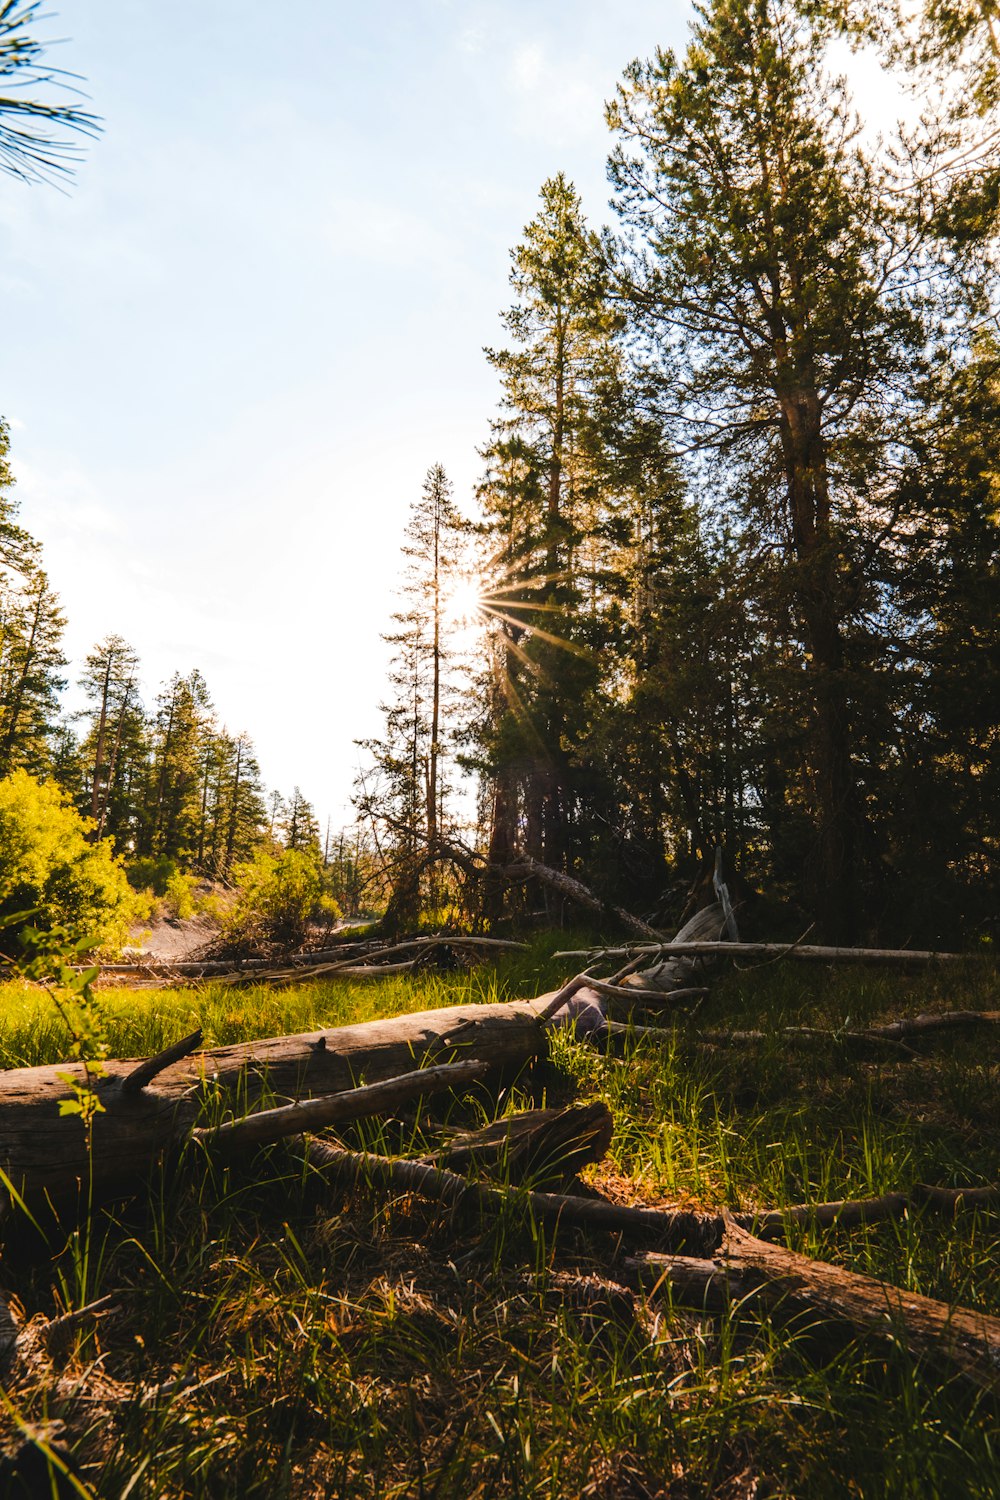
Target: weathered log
682,962
962,1340
681,1228
653,984
847,1213
44,1152
712,949
323,960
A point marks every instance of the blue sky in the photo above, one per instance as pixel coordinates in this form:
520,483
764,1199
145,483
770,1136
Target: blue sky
233,349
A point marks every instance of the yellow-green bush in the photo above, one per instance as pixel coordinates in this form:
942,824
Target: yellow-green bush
279,892
49,866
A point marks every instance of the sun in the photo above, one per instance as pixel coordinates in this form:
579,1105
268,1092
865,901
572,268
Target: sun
463,605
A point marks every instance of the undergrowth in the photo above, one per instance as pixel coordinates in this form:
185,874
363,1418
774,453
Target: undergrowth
274,1337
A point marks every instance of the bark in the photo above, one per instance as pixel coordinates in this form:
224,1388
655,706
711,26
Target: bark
681,1228
578,893
45,1152
964,1341
813,951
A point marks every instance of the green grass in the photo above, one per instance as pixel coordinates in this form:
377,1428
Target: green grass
277,1338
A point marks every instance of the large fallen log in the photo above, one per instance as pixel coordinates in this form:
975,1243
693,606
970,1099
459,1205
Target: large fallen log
148,1107
43,1151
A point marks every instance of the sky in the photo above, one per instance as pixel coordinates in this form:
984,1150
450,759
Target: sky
235,345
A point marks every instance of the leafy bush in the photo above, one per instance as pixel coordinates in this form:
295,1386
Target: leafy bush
153,872
49,866
280,893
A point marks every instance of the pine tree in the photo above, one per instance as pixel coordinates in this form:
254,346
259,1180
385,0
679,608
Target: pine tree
299,829
31,662
114,743
406,790
182,730
543,496
773,281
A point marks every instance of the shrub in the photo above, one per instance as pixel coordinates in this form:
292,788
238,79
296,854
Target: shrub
280,893
49,866
152,872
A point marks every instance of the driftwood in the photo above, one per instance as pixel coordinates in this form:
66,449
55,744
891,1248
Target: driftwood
44,1152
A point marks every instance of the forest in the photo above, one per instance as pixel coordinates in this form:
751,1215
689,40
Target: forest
609,1109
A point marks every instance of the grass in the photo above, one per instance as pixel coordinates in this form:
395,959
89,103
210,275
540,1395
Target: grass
279,1339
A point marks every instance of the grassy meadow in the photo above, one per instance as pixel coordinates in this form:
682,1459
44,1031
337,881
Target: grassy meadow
276,1337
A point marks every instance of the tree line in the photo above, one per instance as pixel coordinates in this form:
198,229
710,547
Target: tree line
738,532
166,782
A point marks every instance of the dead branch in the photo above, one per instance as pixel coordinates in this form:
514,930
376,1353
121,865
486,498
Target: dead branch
137,1080
269,1125
965,1341
541,1143
811,951
677,1227
575,891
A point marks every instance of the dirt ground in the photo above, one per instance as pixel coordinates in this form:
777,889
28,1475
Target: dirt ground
172,940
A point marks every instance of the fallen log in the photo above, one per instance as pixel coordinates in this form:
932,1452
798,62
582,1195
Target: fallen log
670,975
727,1263
345,969
812,951
681,1228
962,1340
44,1152
848,1213
346,952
